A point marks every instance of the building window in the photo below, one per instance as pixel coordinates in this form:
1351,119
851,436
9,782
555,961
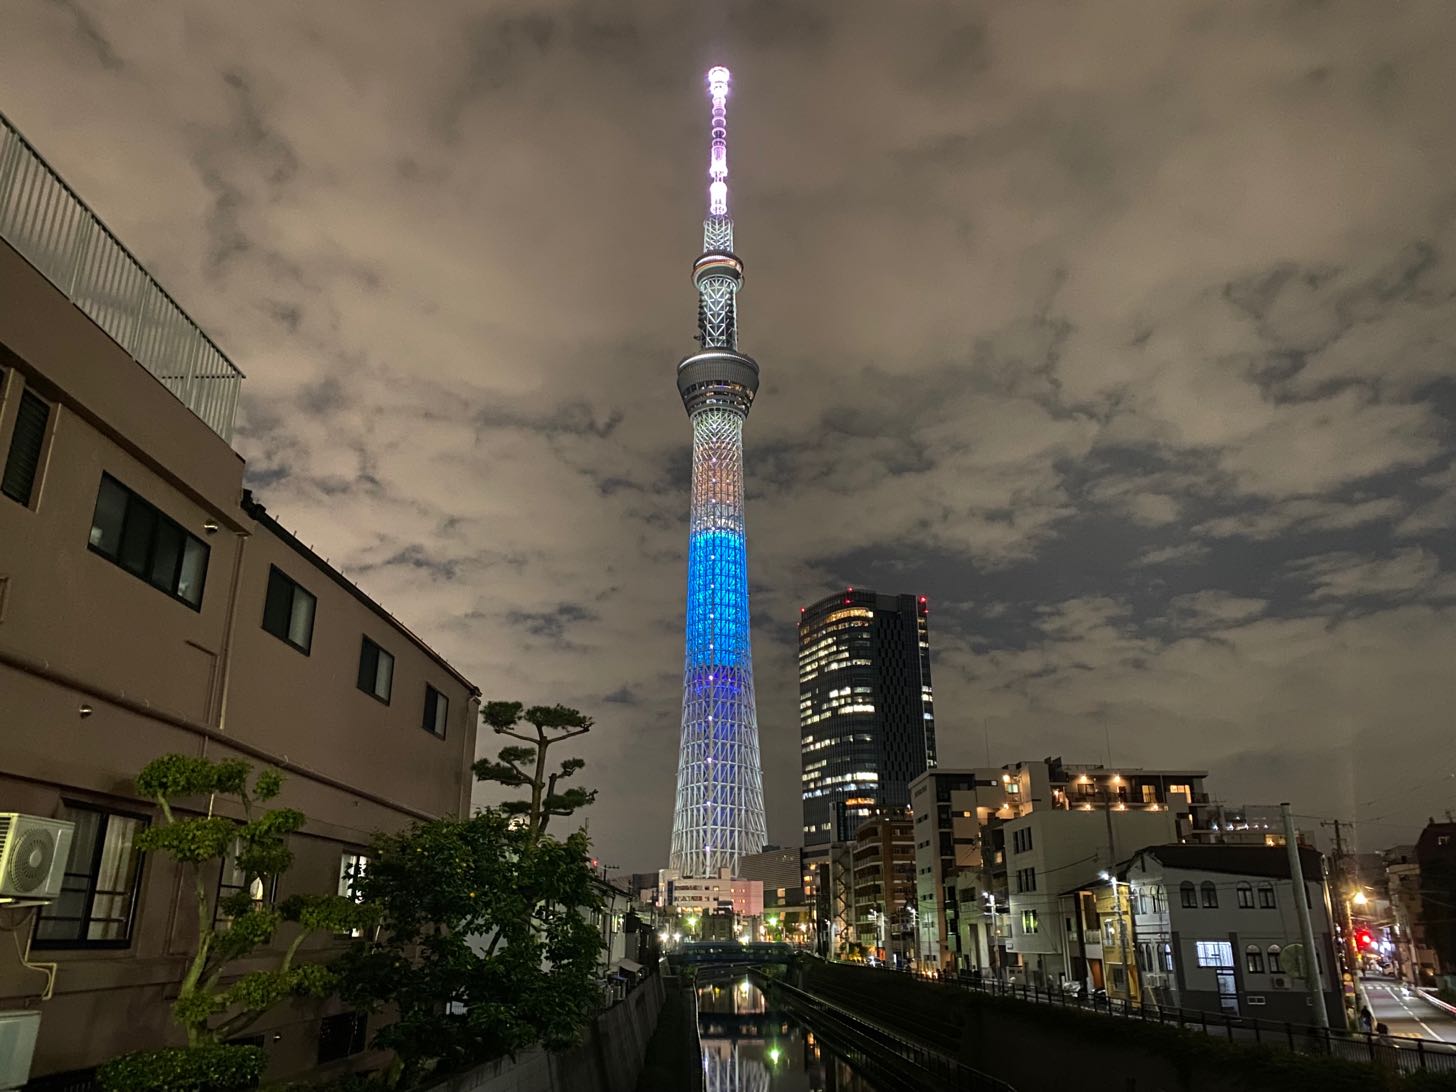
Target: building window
288,611
1028,921
27,442
341,1035
231,880
1246,896
1020,840
1215,953
97,903
352,867
1168,958
1025,880
1253,959
1184,789
132,533
1275,966
437,712
1266,896
1210,895
1188,894
1150,794
376,671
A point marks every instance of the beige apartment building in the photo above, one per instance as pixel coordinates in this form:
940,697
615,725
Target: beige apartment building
150,605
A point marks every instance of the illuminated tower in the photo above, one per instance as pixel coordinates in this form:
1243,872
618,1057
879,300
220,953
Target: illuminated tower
718,816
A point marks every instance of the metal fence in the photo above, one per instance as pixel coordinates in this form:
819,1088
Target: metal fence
891,1059
1402,1052
53,229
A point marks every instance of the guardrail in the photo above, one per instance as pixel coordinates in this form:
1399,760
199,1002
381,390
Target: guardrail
53,229
867,1045
1402,1052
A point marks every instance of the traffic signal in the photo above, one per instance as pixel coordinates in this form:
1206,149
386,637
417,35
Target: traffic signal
1364,939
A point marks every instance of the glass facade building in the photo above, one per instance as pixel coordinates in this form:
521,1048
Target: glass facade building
866,709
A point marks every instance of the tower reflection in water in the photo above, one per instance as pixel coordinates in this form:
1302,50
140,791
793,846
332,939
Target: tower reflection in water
747,1047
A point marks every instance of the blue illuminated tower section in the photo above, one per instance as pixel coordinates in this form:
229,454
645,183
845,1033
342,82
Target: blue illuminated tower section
718,816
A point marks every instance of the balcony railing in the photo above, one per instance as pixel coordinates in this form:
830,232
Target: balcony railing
54,230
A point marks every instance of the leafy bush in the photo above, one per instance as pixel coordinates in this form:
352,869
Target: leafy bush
213,1068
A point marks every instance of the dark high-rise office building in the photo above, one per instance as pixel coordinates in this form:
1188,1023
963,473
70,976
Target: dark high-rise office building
866,713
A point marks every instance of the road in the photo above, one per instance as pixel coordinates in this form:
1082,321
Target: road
1408,1014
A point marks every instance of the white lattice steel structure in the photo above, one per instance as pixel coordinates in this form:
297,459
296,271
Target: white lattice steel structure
718,816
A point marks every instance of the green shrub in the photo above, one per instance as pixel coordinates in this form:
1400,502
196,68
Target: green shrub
213,1068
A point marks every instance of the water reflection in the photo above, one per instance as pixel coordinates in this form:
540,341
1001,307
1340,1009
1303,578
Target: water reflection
749,1048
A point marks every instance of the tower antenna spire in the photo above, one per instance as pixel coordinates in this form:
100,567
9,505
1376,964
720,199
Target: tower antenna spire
718,147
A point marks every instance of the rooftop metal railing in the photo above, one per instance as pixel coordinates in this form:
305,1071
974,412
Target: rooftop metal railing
54,230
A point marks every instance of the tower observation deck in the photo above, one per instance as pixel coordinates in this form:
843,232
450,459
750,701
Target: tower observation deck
718,815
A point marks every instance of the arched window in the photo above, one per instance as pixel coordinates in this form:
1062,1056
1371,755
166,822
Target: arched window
1266,896
1254,959
1188,893
1246,896
1210,895
1275,967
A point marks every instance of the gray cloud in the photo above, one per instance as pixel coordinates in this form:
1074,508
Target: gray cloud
1123,332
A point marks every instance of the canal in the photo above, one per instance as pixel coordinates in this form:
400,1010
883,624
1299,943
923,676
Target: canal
749,1047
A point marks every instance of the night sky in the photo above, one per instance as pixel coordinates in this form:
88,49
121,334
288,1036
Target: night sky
1122,331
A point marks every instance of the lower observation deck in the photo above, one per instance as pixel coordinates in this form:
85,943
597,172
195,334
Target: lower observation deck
720,378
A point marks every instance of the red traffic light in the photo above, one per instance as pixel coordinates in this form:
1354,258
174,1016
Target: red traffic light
1364,938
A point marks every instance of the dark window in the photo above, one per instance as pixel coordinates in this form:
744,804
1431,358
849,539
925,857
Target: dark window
26,443
1266,896
288,611
98,896
437,712
129,531
1253,960
1188,894
376,671
1275,967
341,1036
1210,895
1246,896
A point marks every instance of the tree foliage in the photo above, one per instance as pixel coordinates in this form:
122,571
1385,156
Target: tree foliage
525,766
208,1008
483,948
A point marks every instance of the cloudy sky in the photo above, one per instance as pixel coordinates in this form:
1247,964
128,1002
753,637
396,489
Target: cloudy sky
1122,331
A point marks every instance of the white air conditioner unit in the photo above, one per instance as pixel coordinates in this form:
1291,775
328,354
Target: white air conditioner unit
33,854
17,1042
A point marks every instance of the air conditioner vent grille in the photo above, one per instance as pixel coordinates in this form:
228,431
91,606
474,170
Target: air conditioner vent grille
30,859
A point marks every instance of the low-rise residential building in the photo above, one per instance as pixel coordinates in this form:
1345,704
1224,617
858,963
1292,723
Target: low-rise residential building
959,816
1436,858
1050,853
884,888
1416,958
1216,928
149,605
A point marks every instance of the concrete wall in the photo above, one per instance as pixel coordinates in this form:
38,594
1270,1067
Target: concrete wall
608,1059
101,672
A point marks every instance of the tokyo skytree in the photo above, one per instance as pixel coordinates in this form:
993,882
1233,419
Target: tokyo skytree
718,816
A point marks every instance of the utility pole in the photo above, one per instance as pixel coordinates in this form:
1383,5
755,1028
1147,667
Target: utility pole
1342,888
1306,927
